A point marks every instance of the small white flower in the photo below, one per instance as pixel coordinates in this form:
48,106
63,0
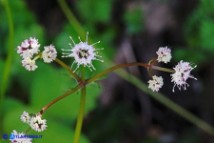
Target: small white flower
38,124
49,54
164,54
83,54
16,137
29,64
28,48
25,117
156,83
182,73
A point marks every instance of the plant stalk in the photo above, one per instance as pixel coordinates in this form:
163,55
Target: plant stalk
8,63
68,69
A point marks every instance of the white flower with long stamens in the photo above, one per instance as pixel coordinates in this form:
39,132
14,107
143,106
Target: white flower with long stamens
28,48
182,73
83,54
49,54
164,54
16,137
38,124
29,64
25,117
156,83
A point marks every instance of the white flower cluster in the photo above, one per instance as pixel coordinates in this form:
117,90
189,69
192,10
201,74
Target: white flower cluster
29,51
164,54
156,83
83,54
16,137
180,75
36,122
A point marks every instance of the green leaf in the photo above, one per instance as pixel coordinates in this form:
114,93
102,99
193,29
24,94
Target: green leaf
96,10
12,120
1,67
207,30
11,104
50,83
134,20
196,55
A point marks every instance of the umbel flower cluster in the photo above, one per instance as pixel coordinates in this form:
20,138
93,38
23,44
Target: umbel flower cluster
35,122
30,52
179,76
83,53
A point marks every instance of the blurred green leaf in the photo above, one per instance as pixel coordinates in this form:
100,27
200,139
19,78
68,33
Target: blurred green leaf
199,31
206,33
46,87
1,67
11,104
62,40
134,20
183,54
11,119
34,30
95,10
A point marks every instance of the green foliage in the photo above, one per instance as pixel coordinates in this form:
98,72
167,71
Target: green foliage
183,54
1,67
95,10
44,84
46,87
133,19
199,31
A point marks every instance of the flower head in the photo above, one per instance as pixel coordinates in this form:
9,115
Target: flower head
38,124
156,83
182,73
83,54
164,54
16,137
49,54
25,117
28,48
29,64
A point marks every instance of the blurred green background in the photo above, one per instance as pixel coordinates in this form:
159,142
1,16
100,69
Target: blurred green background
129,30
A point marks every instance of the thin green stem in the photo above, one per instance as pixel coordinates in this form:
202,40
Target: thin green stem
72,19
80,116
68,69
109,70
162,69
81,111
8,63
